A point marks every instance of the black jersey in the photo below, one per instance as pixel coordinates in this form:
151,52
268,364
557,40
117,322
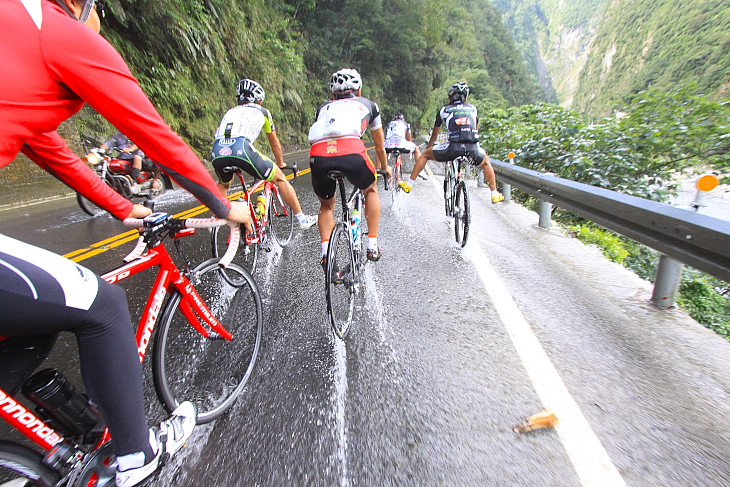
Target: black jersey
461,121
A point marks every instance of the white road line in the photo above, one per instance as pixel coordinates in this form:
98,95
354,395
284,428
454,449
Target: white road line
590,460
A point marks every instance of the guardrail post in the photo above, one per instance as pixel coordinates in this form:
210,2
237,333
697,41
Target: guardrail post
666,284
545,211
506,187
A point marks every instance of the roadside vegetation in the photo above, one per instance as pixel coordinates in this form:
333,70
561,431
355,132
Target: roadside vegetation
642,151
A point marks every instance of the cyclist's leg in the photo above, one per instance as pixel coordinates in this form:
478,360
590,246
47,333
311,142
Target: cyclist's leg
325,189
421,161
41,292
478,154
362,173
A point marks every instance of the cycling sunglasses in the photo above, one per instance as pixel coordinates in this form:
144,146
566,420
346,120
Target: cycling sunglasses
86,11
90,4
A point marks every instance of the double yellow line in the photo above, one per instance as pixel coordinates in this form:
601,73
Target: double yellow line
132,235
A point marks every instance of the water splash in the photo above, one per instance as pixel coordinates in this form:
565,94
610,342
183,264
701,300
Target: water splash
340,398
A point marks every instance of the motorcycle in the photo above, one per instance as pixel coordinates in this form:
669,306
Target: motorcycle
116,172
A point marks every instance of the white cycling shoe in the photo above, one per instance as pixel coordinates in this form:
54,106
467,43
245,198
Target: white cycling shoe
167,439
309,221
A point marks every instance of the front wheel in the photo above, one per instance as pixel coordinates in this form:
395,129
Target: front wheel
340,277
89,207
462,216
281,220
211,372
247,254
21,466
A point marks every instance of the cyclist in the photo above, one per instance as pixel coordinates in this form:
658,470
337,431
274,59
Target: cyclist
129,151
61,63
462,124
336,138
398,136
233,146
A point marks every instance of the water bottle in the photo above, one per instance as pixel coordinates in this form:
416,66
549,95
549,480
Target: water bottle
355,226
260,205
58,400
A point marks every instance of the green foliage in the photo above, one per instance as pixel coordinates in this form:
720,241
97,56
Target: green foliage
661,44
640,153
707,300
610,244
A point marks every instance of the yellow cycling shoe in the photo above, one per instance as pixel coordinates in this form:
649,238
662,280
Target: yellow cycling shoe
496,198
405,186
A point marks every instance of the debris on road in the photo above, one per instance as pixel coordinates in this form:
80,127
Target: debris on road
544,419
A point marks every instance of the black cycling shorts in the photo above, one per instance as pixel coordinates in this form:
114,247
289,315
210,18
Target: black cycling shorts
239,152
451,150
358,169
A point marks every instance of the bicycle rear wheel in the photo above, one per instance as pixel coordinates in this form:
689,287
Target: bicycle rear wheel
340,280
247,254
462,215
21,466
210,372
281,220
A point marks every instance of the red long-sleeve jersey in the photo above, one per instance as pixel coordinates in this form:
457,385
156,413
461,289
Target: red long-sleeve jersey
53,64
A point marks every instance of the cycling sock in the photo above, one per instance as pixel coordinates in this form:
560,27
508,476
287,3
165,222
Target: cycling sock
412,182
141,458
373,242
325,244
301,217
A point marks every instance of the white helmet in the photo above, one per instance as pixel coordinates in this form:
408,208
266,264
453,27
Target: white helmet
250,91
344,80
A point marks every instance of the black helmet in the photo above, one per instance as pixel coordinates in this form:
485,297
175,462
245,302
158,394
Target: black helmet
458,91
398,116
250,91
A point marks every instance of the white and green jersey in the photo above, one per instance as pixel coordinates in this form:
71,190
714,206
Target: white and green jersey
245,121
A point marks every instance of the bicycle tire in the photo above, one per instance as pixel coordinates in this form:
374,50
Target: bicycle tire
88,206
340,275
247,254
209,372
20,462
281,220
462,215
448,194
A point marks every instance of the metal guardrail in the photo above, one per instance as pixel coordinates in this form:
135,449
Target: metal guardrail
700,241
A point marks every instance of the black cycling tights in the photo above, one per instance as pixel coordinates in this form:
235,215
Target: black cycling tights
110,365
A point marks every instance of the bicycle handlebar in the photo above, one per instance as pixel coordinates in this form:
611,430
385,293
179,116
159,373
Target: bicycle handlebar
294,168
158,222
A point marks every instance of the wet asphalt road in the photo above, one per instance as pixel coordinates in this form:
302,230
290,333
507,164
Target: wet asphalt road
430,382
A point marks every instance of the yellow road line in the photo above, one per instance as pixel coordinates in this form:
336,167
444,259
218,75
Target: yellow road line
131,235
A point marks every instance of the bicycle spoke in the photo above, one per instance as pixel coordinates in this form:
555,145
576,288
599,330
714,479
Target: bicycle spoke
210,372
281,220
340,280
247,254
462,217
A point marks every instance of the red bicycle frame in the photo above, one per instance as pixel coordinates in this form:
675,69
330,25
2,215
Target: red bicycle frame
169,278
270,191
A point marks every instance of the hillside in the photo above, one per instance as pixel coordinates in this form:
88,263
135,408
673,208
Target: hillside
661,44
593,55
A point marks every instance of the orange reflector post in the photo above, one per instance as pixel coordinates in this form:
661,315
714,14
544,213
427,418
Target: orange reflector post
707,182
